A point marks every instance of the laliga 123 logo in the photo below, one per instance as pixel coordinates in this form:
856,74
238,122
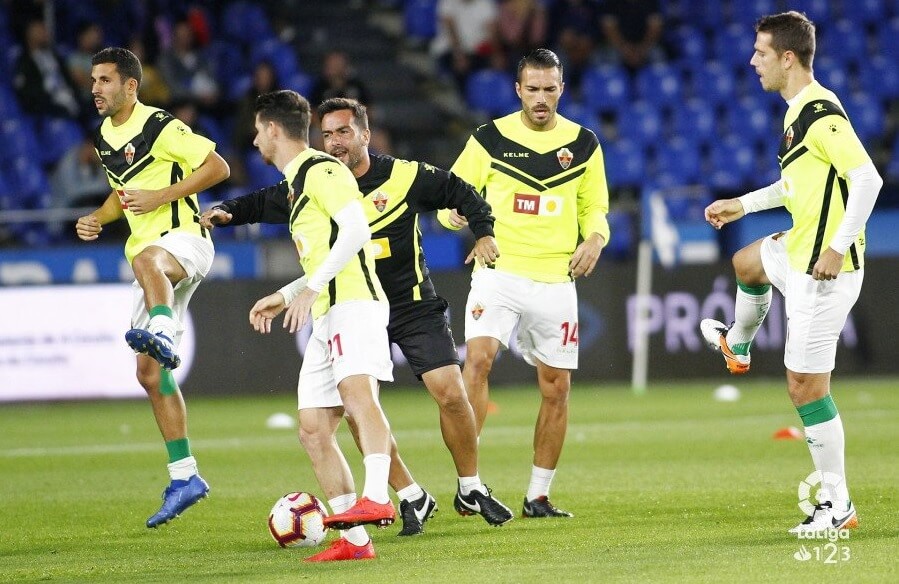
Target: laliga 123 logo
826,484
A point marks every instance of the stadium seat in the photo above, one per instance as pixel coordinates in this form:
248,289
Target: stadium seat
845,42
818,11
56,136
9,105
866,12
709,13
18,138
867,115
625,163
491,92
282,57
750,119
622,240
641,121
880,78
734,45
689,42
695,119
713,81
420,19
893,166
678,163
246,22
579,114
259,173
606,89
747,12
888,39
832,75
300,82
732,163
659,83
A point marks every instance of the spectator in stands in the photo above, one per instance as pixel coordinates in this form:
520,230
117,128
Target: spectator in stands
265,80
78,180
466,37
521,27
186,70
338,79
575,29
633,28
153,89
89,40
40,79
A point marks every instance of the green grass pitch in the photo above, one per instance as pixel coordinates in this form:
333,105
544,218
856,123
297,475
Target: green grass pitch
671,486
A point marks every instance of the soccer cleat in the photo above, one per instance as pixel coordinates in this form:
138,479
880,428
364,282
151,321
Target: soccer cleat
341,549
364,512
824,518
715,334
177,497
476,502
415,513
158,346
541,507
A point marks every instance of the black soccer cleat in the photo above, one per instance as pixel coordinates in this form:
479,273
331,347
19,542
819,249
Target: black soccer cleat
415,514
476,502
541,507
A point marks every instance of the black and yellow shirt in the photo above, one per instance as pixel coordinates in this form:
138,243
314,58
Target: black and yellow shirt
319,187
395,192
547,190
818,147
153,150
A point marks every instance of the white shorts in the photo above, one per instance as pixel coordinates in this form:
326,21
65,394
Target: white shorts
546,315
195,256
350,339
816,310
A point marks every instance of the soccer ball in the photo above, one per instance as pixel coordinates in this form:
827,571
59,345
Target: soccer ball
297,520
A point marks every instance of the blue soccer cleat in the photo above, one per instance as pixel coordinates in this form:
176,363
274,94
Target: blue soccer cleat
157,346
177,497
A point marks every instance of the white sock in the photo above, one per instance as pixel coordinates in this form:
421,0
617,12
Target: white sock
162,324
827,444
469,484
411,493
749,314
377,469
541,479
183,469
356,535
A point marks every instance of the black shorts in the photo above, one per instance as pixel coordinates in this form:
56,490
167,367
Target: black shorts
422,332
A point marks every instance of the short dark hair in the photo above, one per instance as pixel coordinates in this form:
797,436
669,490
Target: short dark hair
790,31
336,104
126,62
540,59
288,109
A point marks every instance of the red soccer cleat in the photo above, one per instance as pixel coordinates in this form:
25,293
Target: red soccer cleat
364,512
341,549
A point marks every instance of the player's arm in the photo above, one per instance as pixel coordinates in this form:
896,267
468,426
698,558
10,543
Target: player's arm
266,205
436,189
89,226
837,140
209,173
473,167
592,208
723,211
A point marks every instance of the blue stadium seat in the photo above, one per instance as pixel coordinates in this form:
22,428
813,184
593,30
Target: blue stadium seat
888,39
579,114
709,13
751,119
818,11
606,88
625,163
17,137
300,82
420,19
832,75
492,92
659,83
733,45
866,12
893,166
228,63
880,78
732,163
845,42
56,136
623,237
259,173
868,116
714,81
640,121
282,57
695,119
690,44
246,22
747,12
678,163
9,105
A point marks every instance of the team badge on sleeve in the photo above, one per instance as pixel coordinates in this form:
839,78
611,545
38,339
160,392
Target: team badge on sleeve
129,153
788,137
379,199
565,157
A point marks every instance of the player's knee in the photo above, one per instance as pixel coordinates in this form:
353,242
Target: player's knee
313,439
149,375
478,364
748,267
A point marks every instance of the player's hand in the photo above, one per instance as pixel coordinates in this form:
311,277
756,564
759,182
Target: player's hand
140,201
264,311
724,211
485,251
586,255
299,309
456,220
829,265
215,216
88,227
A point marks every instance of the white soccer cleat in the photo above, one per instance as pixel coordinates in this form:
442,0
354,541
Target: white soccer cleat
715,334
824,518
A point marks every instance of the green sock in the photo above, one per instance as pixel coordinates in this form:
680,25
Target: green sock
161,310
167,383
178,449
818,412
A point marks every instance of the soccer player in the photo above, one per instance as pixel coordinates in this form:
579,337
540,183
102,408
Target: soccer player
829,186
395,192
348,352
543,176
156,165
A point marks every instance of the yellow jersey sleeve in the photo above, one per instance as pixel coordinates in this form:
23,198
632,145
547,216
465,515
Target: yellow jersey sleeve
472,166
331,186
593,199
178,143
833,139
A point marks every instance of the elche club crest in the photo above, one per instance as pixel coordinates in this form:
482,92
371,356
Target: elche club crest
379,199
477,310
788,137
129,153
565,157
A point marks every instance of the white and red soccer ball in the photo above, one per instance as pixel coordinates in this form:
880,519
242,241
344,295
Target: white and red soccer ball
297,520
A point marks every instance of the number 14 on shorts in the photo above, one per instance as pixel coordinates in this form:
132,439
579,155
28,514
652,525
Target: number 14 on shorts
569,333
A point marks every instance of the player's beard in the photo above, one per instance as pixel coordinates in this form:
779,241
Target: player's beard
113,105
